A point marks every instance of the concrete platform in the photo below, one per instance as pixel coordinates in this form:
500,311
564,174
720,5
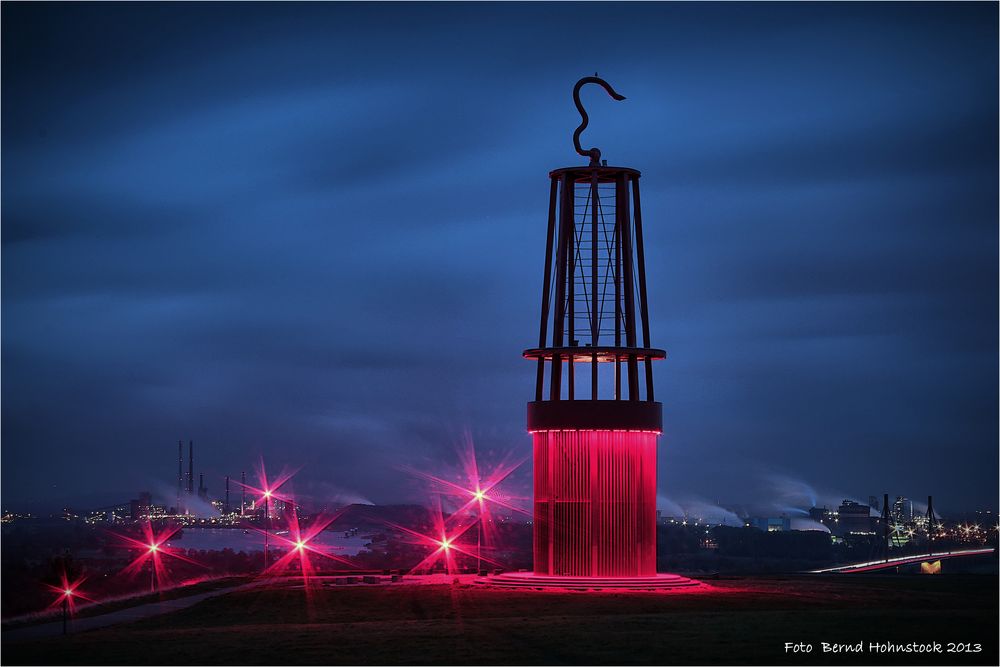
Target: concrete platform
532,581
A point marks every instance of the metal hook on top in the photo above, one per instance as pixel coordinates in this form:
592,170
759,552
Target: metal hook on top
593,153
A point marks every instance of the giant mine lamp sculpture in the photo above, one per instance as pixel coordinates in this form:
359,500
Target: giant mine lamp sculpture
594,420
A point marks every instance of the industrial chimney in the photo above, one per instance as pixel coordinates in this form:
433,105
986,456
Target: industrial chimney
180,474
190,480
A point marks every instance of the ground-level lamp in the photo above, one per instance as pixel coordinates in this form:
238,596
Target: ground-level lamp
479,495
445,543
267,521
475,493
264,492
67,594
445,548
154,550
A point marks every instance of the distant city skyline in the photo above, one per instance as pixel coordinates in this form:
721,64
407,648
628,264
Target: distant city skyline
779,495
313,234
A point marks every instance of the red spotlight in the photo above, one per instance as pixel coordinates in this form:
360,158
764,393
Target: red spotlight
152,550
476,487
303,543
266,492
477,494
444,543
269,489
67,593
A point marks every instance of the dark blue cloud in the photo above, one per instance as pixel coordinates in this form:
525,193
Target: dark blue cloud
315,232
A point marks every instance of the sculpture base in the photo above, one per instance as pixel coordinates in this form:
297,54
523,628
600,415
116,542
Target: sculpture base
532,581
594,503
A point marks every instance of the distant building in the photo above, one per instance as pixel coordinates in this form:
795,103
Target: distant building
853,517
824,516
770,524
275,508
902,510
140,507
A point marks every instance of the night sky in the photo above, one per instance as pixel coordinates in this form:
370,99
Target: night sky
315,233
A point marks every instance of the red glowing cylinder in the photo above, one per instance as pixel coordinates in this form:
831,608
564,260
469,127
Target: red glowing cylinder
595,503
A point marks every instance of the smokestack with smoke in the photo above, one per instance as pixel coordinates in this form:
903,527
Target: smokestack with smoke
190,480
180,474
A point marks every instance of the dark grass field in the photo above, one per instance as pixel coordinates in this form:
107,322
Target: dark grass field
87,610
737,621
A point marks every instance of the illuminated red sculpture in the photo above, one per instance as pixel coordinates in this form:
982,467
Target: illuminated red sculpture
594,419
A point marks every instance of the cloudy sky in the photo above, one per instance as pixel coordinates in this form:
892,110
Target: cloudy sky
315,233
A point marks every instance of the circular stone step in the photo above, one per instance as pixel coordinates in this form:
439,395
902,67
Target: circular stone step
532,581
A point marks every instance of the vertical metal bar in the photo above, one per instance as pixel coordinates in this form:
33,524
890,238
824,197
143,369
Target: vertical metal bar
633,369
594,451
546,286
571,286
551,439
619,188
559,316
595,322
643,304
